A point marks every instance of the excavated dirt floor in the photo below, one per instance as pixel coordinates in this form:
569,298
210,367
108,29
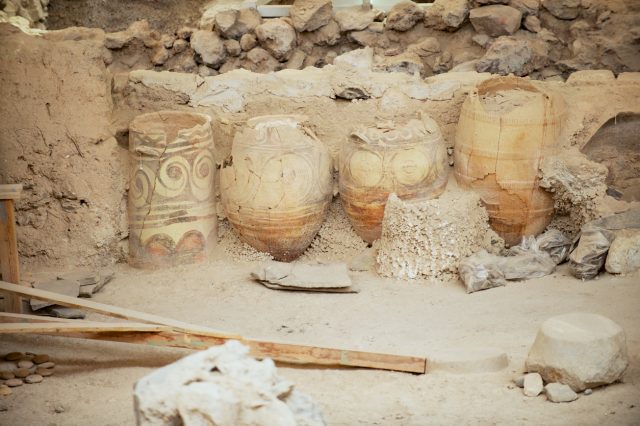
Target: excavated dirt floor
94,380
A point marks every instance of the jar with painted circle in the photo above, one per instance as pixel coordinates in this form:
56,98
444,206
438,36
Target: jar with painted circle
277,185
409,159
171,200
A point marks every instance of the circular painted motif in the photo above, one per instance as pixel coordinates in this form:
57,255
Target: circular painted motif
366,168
410,167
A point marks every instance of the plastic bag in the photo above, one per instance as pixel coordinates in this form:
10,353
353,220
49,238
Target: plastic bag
556,244
483,270
589,256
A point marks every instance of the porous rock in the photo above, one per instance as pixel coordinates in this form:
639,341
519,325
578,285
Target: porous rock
309,15
209,48
278,37
224,386
509,54
403,16
562,9
624,253
557,392
495,20
532,385
431,237
355,18
581,350
446,15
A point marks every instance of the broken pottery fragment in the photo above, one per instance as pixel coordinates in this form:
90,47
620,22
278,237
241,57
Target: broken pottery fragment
302,276
172,214
277,185
507,126
408,159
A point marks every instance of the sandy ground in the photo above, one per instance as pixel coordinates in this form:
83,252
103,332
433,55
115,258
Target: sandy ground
94,380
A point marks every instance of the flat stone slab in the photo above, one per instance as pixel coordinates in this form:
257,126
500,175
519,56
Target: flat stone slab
581,350
467,360
557,392
65,287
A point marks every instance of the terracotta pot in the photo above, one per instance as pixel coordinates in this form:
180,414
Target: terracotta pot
277,187
498,154
409,160
172,215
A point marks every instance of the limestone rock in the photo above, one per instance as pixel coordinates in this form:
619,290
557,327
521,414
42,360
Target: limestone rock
519,381
248,19
309,15
557,392
532,384
428,46
224,21
232,47
580,350
209,48
368,38
527,7
278,37
327,35
408,63
261,61
297,60
33,378
562,9
248,42
446,15
404,16
355,18
509,54
495,20
223,386
532,23
624,253
360,58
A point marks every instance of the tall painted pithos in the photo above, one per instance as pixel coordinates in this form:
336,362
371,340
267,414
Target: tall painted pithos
507,126
408,159
277,185
172,215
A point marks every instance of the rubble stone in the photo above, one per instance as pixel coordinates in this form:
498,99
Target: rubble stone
532,384
248,42
232,47
327,35
404,16
248,19
527,7
509,54
562,9
495,20
297,60
309,15
532,23
557,392
580,350
624,253
209,47
446,15
224,386
278,37
261,61
355,18
224,23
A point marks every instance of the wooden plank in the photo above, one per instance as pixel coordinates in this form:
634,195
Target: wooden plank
112,311
10,191
10,317
9,261
81,327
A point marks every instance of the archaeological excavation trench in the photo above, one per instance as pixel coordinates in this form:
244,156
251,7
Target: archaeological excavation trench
319,213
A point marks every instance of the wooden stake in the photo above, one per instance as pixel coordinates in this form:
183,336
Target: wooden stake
9,262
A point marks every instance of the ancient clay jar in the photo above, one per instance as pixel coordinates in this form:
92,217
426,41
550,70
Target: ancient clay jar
172,215
277,186
507,126
408,159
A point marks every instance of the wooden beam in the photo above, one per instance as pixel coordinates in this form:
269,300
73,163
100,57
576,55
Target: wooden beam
9,261
10,191
280,352
10,317
112,311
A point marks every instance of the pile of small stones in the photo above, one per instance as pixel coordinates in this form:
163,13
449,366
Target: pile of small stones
18,368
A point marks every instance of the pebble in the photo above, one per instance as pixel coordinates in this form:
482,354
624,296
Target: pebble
59,408
45,372
40,359
21,373
34,378
519,381
25,364
12,383
5,390
588,391
8,366
533,384
557,392
6,375
47,364
14,356
28,357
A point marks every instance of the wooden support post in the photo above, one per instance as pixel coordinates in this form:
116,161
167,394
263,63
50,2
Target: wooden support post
9,262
